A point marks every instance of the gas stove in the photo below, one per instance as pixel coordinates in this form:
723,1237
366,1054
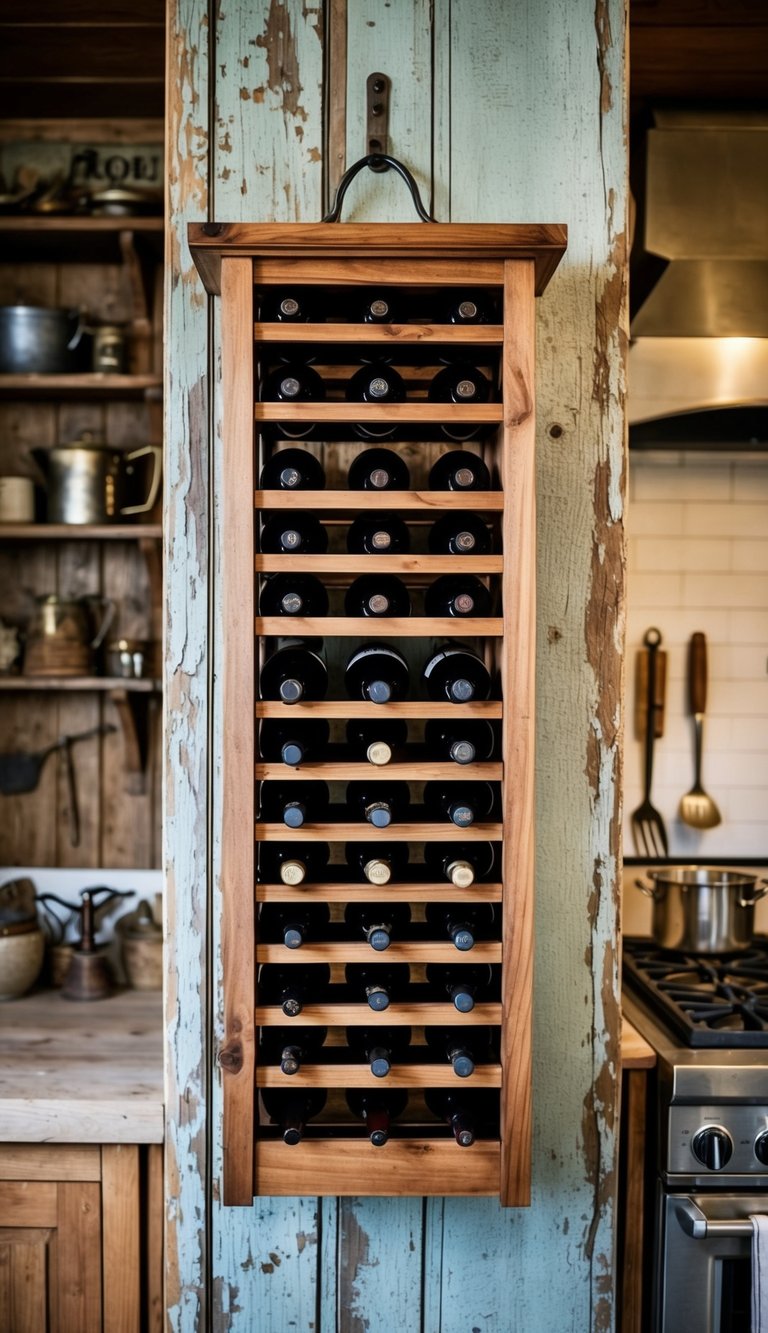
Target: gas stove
708,1002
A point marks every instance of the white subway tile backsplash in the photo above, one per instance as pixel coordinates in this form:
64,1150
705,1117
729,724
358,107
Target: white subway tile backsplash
694,483
682,553
677,624
649,518
655,590
750,556
706,590
750,482
738,661
749,627
750,733
738,698
746,804
725,520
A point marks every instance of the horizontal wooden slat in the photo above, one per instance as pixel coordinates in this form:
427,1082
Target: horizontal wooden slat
418,413
398,1014
340,771
31,1204
49,1161
356,893
78,532
350,831
399,951
361,708
398,627
402,501
23,684
402,1167
488,335
378,564
426,1075
88,384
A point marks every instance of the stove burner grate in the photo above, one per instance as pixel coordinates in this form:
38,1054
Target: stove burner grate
708,1002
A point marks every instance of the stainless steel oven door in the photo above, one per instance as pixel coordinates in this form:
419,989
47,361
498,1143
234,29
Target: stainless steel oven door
704,1262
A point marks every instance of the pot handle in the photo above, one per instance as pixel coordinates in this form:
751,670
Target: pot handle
759,892
157,456
649,890
82,327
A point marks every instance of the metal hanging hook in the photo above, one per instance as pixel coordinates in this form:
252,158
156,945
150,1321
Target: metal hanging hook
376,162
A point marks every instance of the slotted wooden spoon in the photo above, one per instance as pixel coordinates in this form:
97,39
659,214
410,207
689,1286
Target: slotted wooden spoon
697,807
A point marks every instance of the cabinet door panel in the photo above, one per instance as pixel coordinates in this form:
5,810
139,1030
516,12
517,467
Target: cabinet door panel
79,1257
24,1278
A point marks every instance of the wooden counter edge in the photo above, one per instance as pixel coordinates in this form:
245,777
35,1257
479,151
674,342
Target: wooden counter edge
635,1051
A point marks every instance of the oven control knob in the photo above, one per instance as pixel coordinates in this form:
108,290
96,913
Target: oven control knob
712,1147
761,1147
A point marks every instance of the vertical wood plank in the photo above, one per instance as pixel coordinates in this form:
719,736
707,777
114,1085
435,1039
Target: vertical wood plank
380,1265
78,1235
120,1245
24,1279
153,1257
238,872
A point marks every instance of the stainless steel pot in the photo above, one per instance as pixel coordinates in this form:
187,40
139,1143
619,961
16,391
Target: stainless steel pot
88,481
40,341
703,909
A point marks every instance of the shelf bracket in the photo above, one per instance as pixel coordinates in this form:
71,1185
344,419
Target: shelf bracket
135,713
377,87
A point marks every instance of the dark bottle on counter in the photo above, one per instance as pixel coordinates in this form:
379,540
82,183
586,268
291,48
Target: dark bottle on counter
465,1112
293,987
457,674
292,470
377,1108
379,984
381,307
463,533
378,922
373,533
377,383
463,740
292,306
302,863
294,533
459,470
378,863
380,803
377,595
463,863
293,384
294,803
379,1047
377,673
462,982
293,595
293,742
463,923
378,470
457,595
462,1047
291,1109
290,1048
293,923
463,803
378,741
467,308
293,673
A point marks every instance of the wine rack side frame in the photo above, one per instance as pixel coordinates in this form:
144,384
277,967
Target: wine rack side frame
520,259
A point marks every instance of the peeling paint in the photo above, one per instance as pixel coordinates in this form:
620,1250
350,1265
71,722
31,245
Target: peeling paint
282,63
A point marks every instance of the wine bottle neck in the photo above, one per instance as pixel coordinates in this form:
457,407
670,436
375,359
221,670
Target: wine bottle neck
294,814
291,691
462,937
293,872
290,1060
379,813
462,752
461,874
378,753
292,753
377,872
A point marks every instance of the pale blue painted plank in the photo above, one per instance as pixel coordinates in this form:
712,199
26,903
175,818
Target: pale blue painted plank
380,1265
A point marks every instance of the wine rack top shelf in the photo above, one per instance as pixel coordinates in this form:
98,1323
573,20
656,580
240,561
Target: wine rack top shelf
544,243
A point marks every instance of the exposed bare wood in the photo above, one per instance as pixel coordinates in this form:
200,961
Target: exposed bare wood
402,1166
344,893
348,831
416,1075
401,627
120,1238
380,564
361,708
345,501
418,770
360,1015
479,335
399,951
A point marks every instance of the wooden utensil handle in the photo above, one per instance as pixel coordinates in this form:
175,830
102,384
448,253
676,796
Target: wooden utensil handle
697,672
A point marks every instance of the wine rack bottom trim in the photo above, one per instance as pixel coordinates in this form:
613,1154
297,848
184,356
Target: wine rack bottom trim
330,1167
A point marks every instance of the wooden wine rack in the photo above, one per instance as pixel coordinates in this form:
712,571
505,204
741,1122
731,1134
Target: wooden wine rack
241,262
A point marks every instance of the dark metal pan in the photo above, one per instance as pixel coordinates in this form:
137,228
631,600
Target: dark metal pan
20,770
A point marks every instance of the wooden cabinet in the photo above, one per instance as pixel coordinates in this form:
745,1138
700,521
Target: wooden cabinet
81,1238
424,265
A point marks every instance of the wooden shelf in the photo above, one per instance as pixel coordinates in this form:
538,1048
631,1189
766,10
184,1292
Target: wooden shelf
444,892
24,684
342,771
342,1166
417,1075
480,335
385,627
399,501
350,831
413,413
79,239
89,385
397,1015
361,708
25,224
353,565
399,951
78,532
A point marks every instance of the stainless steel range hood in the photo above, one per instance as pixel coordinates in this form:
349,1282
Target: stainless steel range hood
699,339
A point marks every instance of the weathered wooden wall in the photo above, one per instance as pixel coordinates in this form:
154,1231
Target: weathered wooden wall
505,110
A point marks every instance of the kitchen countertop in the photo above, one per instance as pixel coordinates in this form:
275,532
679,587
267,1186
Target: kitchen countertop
89,1072
635,1051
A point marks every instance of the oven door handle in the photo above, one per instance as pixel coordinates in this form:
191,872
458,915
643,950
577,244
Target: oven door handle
695,1223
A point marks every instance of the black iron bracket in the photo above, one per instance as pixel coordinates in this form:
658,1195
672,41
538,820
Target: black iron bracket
376,162
377,116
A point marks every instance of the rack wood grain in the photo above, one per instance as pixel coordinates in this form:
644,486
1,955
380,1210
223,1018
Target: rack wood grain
401,501
417,1075
342,1166
361,708
352,893
476,335
341,771
349,831
399,951
414,413
379,564
343,1014
392,627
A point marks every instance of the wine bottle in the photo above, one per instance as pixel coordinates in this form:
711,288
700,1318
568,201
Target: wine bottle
293,923
293,383
381,307
293,595
378,983
294,672
290,1048
377,673
462,533
291,1109
376,382
463,863
461,802
377,595
380,803
458,1112
280,864
389,861
463,923
457,595
379,1047
377,1108
288,307
462,1047
378,470
294,533
467,308
378,922
293,987
294,742
455,673
373,533
460,383
459,470
294,803
292,470
463,982
378,741
464,740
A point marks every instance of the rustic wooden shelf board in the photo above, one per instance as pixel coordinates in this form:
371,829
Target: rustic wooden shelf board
379,564
417,413
398,1014
402,1166
349,831
480,335
425,1075
23,224
78,532
399,951
424,771
23,684
395,627
356,893
401,501
344,708
86,385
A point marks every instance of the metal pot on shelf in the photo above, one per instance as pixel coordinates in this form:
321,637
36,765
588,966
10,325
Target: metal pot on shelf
36,340
703,909
61,639
89,481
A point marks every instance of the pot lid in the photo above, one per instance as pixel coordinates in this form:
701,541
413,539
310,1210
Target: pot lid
140,924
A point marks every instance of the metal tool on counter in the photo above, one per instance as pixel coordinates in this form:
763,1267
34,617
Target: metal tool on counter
697,807
88,975
648,831
20,772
